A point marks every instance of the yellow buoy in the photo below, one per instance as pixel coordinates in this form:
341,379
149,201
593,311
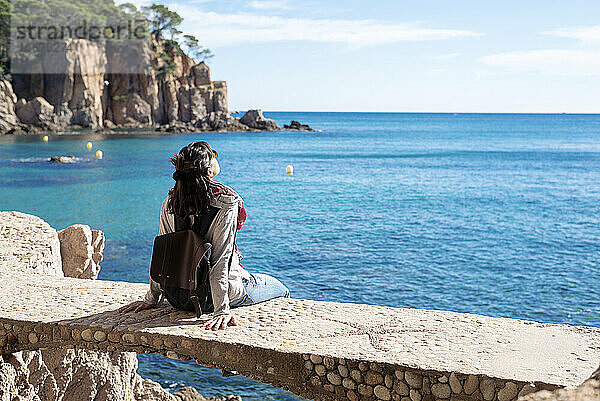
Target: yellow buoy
289,169
99,154
45,138
88,145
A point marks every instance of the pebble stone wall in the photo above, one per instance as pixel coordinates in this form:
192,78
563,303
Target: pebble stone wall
319,378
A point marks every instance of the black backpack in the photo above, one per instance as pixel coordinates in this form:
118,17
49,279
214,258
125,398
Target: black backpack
181,264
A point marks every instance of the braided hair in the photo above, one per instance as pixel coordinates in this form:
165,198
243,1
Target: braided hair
192,191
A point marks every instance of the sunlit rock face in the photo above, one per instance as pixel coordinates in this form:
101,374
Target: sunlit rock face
8,99
29,245
104,85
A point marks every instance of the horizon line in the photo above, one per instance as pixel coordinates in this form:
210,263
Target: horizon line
238,111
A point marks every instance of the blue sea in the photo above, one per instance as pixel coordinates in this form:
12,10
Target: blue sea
495,214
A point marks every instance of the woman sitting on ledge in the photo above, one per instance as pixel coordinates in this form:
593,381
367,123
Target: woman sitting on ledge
195,192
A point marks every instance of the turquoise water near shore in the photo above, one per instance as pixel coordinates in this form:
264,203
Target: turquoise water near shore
496,214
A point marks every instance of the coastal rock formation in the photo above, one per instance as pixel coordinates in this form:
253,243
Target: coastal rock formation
37,112
221,122
28,244
121,85
71,375
255,119
76,92
8,99
81,249
295,125
152,84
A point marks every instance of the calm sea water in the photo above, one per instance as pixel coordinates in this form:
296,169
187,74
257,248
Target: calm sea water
491,214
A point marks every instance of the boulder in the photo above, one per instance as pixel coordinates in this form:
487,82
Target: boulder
81,249
28,245
36,112
8,118
255,119
295,125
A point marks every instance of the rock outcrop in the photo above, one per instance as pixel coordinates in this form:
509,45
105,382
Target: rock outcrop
73,375
8,99
255,119
297,126
81,250
30,245
37,112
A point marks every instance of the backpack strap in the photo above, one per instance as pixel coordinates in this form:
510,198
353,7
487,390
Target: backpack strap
181,224
201,222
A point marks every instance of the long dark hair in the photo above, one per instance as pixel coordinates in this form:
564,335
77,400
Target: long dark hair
192,191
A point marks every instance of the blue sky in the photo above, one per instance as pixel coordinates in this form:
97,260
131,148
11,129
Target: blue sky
400,56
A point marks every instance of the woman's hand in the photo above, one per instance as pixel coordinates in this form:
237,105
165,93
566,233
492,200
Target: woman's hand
220,322
136,306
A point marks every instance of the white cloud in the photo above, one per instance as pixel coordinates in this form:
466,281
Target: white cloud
447,56
585,34
233,29
269,5
549,61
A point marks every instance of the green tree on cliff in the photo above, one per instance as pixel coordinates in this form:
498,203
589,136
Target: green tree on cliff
195,50
162,21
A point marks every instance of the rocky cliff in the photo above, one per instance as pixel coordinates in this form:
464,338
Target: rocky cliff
8,118
29,245
103,87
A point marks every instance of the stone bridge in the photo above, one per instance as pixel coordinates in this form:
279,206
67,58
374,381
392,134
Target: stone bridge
318,350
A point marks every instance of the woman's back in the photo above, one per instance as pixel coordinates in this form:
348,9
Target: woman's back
196,193
226,271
